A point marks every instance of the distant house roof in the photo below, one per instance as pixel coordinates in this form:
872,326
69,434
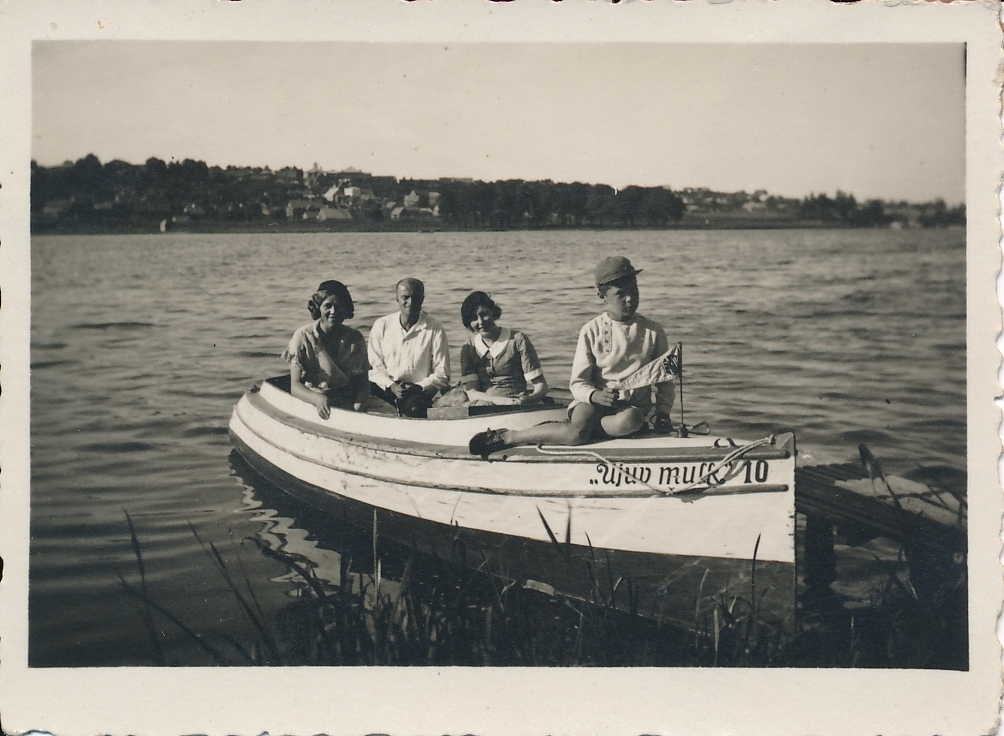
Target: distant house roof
333,213
305,206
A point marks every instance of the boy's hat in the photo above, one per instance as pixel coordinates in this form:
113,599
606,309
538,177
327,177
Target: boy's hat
612,268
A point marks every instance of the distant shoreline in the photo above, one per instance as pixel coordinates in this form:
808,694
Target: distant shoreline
308,226
88,197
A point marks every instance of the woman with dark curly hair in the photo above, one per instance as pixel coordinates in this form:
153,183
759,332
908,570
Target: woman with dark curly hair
497,364
327,360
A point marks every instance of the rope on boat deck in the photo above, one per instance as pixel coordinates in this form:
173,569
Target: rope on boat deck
730,458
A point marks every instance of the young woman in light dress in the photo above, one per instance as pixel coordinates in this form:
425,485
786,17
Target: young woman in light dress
327,360
498,365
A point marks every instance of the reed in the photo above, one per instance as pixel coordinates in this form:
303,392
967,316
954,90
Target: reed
453,612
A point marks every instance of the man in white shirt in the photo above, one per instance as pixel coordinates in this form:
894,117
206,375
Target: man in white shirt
409,354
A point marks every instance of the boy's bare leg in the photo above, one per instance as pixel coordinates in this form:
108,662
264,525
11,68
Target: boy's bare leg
584,422
587,422
626,421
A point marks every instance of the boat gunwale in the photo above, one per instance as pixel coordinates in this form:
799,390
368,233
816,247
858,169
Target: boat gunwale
686,497
574,454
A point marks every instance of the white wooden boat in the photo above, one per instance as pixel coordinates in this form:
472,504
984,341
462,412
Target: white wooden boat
642,494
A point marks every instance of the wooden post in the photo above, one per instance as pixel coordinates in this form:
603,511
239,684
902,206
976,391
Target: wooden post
820,559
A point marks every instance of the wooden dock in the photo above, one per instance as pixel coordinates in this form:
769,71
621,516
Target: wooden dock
925,513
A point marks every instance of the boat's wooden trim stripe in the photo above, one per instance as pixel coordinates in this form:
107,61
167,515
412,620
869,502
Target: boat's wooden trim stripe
440,486
517,454
429,449
641,492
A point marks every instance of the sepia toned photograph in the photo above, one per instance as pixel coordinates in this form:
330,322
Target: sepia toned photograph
785,486
410,355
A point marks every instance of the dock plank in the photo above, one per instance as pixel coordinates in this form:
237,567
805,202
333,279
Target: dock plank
896,508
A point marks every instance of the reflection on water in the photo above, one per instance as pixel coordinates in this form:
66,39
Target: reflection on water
141,345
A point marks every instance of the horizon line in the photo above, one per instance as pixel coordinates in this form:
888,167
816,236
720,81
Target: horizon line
351,169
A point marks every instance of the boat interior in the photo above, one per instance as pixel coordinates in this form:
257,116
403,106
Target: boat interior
556,399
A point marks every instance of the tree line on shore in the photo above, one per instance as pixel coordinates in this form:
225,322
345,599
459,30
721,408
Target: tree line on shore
119,195
844,208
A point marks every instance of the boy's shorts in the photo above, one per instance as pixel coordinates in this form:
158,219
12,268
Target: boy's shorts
605,411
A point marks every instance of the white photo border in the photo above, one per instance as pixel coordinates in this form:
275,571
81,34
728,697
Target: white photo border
525,700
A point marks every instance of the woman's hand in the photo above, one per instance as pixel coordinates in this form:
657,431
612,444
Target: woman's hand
358,406
300,391
537,392
321,403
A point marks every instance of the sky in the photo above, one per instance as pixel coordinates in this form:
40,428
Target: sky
876,120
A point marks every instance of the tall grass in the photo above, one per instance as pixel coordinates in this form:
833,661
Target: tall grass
458,611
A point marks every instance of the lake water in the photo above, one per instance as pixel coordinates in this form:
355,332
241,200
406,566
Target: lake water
141,345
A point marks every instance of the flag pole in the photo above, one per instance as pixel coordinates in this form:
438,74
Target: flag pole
683,426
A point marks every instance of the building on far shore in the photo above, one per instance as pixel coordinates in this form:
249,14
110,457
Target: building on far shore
402,213
333,213
302,208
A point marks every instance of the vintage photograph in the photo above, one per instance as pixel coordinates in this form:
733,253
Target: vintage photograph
428,354
431,367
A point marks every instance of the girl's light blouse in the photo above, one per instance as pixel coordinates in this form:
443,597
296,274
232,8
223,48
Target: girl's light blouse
503,368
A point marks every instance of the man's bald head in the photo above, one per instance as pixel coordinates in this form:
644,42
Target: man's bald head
415,286
410,297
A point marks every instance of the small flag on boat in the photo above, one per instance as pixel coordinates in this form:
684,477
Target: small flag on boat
661,370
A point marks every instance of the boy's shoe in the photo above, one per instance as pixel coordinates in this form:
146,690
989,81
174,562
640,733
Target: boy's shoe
485,443
661,424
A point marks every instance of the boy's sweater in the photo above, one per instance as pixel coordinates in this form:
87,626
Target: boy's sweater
609,350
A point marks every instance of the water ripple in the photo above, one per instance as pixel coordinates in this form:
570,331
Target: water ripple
110,325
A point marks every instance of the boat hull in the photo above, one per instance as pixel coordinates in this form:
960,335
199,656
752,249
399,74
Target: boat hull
526,495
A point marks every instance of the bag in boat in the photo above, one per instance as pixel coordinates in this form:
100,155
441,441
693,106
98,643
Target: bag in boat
456,396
